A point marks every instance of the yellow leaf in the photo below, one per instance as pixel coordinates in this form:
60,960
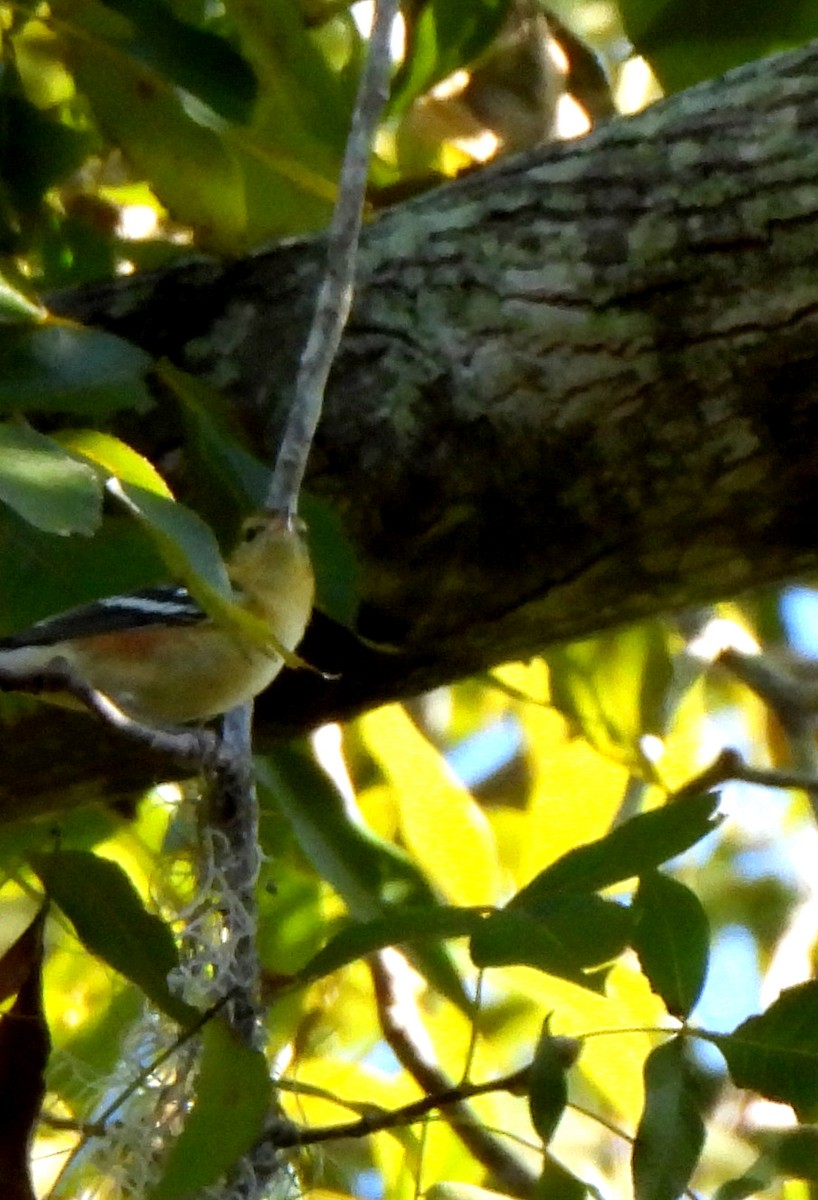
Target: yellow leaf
575,792
115,457
440,823
528,680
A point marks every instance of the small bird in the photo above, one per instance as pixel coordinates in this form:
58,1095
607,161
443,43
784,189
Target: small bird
159,656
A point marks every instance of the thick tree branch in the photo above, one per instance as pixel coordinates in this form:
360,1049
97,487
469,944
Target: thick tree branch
577,388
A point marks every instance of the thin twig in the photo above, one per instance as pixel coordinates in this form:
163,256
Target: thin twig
188,748
335,294
504,1166
407,1114
729,766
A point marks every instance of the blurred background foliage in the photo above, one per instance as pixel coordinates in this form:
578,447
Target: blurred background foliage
137,132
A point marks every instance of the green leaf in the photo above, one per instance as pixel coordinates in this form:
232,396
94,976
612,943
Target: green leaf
672,939
185,542
612,687
558,1183
35,150
445,36
197,60
759,1177
511,938
15,305
397,926
776,1052
685,45
235,185
192,557
228,467
637,846
110,456
58,367
51,574
337,573
233,1097
670,1136
793,1152
786,1153
311,121
95,1047
547,1086
369,873
188,165
112,923
45,485
591,929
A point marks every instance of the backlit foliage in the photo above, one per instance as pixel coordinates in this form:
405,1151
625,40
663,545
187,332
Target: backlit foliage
509,883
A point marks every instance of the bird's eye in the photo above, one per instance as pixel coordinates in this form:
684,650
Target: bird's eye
251,530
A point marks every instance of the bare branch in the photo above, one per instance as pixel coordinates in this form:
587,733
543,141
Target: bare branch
190,749
377,1121
336,291
504,1166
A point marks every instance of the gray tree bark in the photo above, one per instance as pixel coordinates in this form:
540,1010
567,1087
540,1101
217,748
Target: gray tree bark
578,387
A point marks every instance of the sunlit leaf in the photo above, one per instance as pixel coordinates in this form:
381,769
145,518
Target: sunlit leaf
112,922
58,367
440,823
46,486
672,939
94,1047
310,122
776,1053
203,64
631,849
233,183
575,791
233,1095
670,1136
612,687
451,1190
114,457
15,305
369,873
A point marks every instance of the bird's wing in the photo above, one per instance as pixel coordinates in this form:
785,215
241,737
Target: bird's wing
112,614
